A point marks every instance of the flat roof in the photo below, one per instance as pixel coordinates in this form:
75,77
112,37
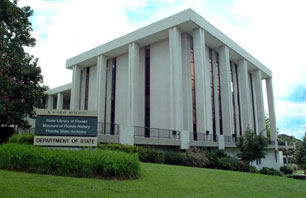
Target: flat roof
59,89
187,21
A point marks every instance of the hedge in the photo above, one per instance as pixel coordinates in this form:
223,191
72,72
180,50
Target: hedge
145,155
270,171
286,169
26,138
75,163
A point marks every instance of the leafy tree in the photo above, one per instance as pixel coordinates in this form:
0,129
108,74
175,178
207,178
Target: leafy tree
268,129
300,153
251,146
20,78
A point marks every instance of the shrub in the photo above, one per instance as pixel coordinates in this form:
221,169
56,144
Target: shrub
238,165
145,155
152,156
119,147
270,171
175,159
197,158
26,138
286,169
76,163
253,169
293,166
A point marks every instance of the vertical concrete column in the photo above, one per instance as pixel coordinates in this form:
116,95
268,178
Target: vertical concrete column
221,144
75,89
132,75
185,140
235,84
272,118
50,102
60,101
226,95
259,102
176,83
187,86
203,117
245,98
101,81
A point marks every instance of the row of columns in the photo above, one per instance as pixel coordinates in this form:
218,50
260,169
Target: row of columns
59,103
202,86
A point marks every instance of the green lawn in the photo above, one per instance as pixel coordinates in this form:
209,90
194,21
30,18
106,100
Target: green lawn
156,181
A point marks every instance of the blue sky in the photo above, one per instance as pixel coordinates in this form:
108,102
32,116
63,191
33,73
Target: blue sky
65,28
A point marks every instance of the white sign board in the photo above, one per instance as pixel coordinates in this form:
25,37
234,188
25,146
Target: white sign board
65,128
65,141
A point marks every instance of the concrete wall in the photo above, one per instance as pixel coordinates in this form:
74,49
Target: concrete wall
92,92
121,89
140,87
268,161
159,85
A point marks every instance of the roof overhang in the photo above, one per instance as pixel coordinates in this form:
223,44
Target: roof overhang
60,89
186,21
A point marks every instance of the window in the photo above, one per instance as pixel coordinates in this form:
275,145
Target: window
147,91
233,100
86,88
219,93
211,69
252,101
113,96
238,99
194,110
275,152
105,104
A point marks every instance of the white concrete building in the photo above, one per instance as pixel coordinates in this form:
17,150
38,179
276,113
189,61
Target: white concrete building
179,82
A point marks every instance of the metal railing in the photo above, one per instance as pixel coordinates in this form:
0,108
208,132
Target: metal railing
156,133
22,131
203,137
108,128
230,139
271,142
281,143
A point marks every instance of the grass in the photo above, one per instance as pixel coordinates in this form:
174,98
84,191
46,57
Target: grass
156,181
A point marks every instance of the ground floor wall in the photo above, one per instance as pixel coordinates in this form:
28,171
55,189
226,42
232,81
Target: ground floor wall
273,159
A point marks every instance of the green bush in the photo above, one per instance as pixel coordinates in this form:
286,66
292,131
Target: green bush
175,158
253,169
286,169
197,158
293,166
216,159
26,138
152,156
119,147
76,163
270,171
145,155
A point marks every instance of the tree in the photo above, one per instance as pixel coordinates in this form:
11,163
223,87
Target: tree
21,86
300,153
268,129
251,146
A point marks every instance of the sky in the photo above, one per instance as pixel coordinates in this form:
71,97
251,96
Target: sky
273,31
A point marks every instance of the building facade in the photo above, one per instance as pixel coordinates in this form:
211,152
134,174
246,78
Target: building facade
179,82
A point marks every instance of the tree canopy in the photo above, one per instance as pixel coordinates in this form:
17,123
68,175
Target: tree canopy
300,154
20,77
251,146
